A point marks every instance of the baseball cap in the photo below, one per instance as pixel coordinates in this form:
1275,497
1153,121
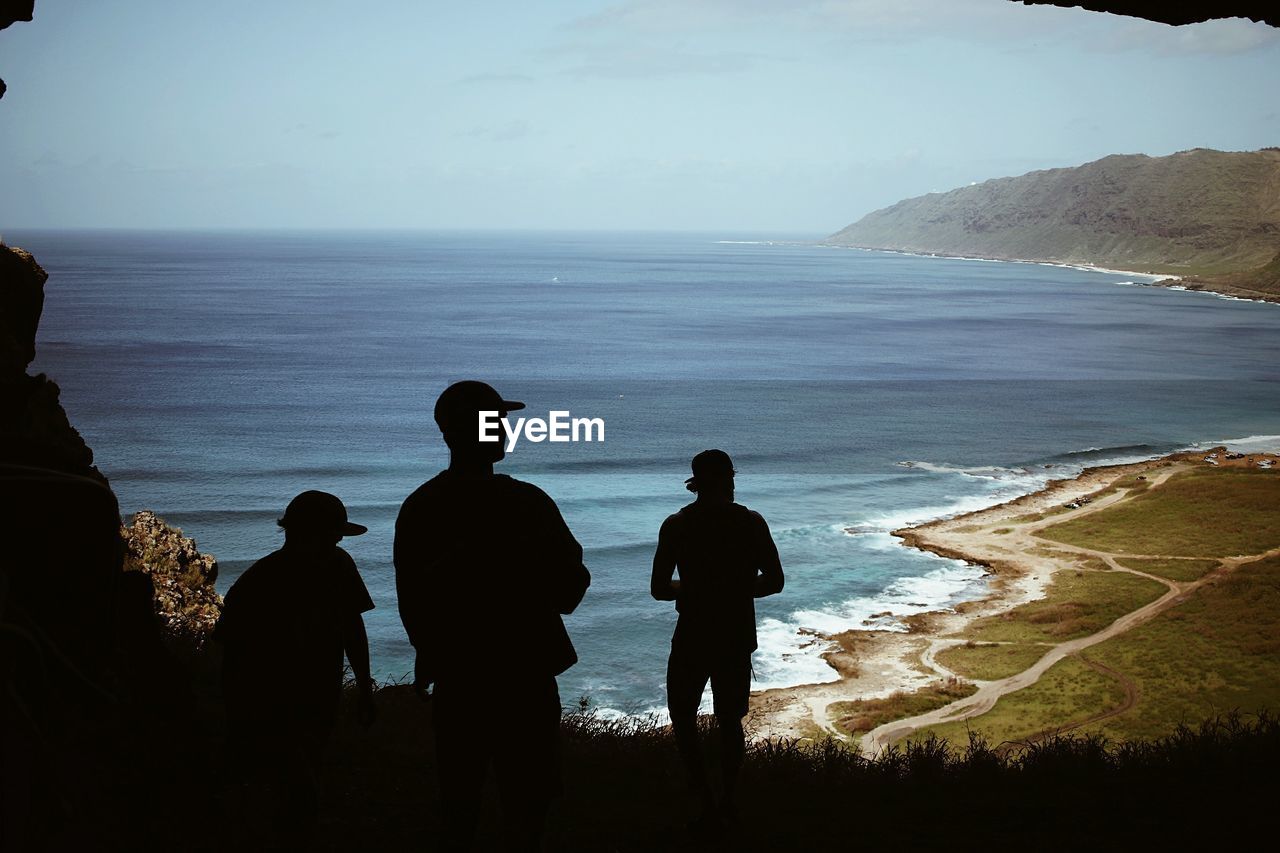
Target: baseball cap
319,511
461,400
711,465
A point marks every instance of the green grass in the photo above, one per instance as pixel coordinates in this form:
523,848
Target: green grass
1174,570
1217,651
1070,690
1205,512
990,661
1077,603
862,715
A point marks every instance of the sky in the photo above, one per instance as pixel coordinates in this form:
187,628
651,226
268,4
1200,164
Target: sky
742,116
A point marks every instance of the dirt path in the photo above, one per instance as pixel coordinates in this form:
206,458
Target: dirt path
1131,694
1022,566
990,692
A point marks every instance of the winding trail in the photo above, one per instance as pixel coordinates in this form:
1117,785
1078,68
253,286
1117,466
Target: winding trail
989,692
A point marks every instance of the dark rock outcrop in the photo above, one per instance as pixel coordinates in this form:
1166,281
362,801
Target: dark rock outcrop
34,428
35,433
87,678
12,11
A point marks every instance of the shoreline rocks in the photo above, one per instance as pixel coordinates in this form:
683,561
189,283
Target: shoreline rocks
185,599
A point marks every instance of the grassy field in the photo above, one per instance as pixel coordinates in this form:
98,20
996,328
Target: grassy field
1218,650
1174,570
862,715
1077,603
990,661
1205,512
1071,690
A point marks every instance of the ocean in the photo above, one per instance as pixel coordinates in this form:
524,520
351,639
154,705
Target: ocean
217,374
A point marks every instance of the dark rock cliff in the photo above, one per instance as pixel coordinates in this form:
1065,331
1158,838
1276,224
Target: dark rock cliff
93,616
34,429
36,434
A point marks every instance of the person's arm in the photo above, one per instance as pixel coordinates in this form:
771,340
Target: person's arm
222,629
569,577
661,585
770,579
409,559
355,641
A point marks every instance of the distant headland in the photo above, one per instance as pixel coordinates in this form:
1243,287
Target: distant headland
1210,218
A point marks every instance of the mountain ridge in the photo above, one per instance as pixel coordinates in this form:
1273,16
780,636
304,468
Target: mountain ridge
1212,217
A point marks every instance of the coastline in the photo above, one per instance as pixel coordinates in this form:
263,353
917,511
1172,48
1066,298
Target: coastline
1188,284
875,664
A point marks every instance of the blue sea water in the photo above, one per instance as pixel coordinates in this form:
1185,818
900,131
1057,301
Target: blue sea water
218,374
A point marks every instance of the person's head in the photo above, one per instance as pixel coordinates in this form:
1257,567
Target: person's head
712,476
317,519
457,414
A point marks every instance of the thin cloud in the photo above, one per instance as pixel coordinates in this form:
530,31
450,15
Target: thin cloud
883,20
864,17
639,61
509,132
494,78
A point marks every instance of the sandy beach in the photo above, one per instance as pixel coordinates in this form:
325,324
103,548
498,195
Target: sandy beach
876,664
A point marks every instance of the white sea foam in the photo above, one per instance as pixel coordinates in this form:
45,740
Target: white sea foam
1248,444
874,531
985,472
790,653
786,656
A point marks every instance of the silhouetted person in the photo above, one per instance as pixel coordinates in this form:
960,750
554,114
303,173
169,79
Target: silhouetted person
485,566
285,627
726,559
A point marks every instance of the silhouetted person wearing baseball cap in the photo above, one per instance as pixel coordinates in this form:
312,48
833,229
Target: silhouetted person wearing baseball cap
726,559
286,625
485,566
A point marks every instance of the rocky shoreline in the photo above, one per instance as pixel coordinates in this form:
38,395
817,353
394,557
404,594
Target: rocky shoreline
875,664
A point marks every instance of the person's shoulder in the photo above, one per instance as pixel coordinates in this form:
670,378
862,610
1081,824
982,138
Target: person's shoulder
748,514
522,489
258,569
256,580
428,491
681,517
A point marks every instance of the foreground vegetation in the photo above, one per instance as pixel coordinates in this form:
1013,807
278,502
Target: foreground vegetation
624,790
